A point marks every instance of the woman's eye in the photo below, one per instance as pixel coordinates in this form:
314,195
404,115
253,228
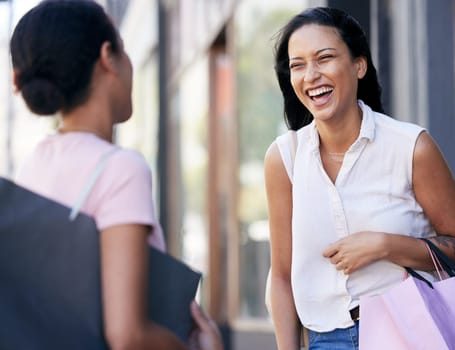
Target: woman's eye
325,58
296,65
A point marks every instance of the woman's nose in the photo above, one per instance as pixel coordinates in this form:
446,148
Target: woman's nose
312,72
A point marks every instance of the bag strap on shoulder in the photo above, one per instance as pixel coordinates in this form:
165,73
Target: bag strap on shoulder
90,183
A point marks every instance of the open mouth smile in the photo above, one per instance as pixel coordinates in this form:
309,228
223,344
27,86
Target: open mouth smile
320,95
319,92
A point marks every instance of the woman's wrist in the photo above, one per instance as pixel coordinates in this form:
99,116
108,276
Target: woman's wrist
385,245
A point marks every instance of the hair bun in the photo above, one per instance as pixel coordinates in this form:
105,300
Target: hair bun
42,96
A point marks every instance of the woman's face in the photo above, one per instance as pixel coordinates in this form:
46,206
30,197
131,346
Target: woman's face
323,73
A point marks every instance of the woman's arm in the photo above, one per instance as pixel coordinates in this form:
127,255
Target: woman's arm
434,188
124,283
279,198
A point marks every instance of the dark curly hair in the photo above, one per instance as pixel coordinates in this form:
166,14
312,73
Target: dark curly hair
295,113
54,48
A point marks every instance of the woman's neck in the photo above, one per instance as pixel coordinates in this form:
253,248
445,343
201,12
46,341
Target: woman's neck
336,136
83,120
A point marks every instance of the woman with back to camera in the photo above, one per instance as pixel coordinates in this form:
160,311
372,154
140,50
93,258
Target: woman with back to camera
346,214
68,57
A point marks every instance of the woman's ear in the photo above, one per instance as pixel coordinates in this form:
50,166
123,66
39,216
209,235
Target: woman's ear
361,65
107,59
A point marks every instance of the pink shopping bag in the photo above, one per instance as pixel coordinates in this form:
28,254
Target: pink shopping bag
410,316
414,315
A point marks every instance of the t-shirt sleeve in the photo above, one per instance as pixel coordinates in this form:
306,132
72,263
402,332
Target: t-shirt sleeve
125,192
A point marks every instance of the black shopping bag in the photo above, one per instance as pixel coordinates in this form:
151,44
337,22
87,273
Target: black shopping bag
50,292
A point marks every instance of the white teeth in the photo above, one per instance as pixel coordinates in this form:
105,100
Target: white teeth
319,91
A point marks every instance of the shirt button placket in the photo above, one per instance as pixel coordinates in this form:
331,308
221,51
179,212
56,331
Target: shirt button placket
338,213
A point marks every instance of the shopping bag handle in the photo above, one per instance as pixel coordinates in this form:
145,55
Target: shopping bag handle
445,262
414,274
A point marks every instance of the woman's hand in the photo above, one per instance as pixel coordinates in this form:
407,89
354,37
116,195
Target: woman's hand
355,251
206,335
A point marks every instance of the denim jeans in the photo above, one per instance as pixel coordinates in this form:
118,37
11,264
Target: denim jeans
338,339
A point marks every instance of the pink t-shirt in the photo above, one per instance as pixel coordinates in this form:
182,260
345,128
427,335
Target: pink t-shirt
61,165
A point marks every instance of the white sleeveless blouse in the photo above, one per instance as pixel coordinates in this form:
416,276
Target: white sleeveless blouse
372,192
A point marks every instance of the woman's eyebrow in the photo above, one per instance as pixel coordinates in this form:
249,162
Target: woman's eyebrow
324,49
316,53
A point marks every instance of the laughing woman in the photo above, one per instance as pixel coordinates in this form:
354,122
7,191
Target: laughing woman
347,213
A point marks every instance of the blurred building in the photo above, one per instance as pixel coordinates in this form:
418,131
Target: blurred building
206,107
